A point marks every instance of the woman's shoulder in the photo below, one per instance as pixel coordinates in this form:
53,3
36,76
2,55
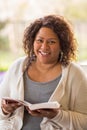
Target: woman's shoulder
18,64
74,65
76,68
19,60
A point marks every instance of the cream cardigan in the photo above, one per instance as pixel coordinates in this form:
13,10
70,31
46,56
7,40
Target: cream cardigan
71,93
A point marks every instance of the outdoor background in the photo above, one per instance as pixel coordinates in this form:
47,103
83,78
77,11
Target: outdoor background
15,15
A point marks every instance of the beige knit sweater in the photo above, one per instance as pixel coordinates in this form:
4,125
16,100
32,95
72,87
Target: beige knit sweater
71,93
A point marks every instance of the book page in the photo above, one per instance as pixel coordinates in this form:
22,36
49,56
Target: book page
11,100
44,105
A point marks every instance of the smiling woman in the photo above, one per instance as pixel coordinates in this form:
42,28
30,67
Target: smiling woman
47,73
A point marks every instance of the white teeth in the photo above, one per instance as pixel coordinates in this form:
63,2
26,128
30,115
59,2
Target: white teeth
44,53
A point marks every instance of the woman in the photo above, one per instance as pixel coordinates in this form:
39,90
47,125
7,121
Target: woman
47,73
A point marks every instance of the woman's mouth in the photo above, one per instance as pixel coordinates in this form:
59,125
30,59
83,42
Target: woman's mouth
44,53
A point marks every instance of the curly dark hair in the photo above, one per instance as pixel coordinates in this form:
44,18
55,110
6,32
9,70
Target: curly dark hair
62,29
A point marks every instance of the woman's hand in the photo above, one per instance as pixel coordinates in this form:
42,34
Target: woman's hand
49,113
9,106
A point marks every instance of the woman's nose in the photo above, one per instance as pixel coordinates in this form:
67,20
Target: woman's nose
45,45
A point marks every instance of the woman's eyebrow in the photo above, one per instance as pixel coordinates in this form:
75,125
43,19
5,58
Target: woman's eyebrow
47,38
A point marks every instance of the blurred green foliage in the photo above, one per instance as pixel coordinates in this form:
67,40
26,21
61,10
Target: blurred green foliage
5,56
6,59
4,43
76,11
3,24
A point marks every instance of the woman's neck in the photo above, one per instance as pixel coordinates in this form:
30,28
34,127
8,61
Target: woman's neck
44,72
45,67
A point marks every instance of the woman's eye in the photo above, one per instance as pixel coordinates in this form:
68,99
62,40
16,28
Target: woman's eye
39,40
51,42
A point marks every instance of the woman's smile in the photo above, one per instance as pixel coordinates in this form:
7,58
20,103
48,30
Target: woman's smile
44,53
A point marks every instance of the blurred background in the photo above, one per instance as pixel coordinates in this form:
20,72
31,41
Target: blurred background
15,15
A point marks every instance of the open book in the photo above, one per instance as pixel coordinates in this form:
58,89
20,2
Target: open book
44,105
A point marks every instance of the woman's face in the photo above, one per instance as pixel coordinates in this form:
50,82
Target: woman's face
46,46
